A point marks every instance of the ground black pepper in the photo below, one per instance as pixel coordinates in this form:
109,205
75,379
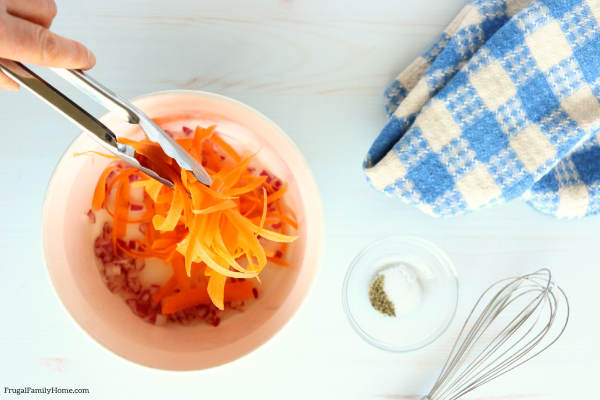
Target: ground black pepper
379,299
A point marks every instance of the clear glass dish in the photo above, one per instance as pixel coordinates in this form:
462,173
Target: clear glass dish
428,319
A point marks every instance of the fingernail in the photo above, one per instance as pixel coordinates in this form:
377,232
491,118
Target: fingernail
91,59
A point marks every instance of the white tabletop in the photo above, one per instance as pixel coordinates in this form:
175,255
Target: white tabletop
318,69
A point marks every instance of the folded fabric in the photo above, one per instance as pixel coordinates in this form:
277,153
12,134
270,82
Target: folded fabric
572,188
484,116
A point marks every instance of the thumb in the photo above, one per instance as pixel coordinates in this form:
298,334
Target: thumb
32,43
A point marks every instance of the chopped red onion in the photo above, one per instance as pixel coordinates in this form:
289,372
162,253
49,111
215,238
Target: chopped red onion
154,288
265,173
120,274
142,308
113,270
134,284
91,216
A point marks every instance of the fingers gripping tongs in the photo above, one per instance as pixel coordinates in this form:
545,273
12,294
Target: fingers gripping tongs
97,129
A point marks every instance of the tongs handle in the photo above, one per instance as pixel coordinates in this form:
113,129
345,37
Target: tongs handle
99,92
38,86
30,80
135,116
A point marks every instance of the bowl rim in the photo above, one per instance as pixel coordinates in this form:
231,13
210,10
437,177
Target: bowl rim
318,230
413,240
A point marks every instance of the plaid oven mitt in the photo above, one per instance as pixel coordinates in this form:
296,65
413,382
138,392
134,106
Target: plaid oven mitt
504,104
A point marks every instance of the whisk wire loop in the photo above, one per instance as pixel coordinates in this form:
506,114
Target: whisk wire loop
503,332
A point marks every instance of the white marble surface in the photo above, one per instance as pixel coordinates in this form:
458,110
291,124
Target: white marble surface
318,68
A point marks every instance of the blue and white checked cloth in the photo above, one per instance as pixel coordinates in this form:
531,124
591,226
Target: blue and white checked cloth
504,104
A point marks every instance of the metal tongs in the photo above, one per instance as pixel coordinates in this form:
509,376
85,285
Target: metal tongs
97,129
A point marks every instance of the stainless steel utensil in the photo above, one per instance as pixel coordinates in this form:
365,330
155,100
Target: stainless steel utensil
97,129
505,329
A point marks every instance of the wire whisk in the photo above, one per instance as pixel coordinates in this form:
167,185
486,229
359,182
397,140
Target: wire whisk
513,321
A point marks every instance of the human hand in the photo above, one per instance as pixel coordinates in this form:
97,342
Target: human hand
25,37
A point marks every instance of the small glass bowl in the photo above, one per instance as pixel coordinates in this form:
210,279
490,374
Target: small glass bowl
432,315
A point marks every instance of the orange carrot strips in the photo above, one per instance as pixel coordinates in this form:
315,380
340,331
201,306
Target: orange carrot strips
216,288
183,280
98,153
165,289
239,290
100,191
185,299
169,222
277,195
213,237
267,234
226,147
263,217
226,205
233,291
254,184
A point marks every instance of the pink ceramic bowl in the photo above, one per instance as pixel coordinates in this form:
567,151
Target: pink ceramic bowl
68,242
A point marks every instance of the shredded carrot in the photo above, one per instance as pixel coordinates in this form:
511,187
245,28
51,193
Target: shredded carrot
289,221
226,205
100,191
216,288
211,236
277,195
98,153
121,209
278,261
185,299
234,291
165,289
183,280
226,147
239,290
